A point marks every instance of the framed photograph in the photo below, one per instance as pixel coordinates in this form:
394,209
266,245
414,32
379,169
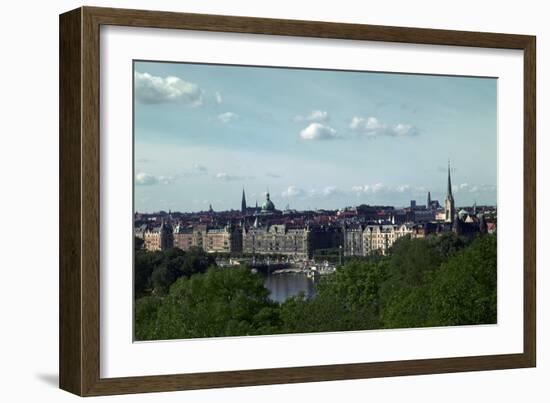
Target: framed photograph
248,201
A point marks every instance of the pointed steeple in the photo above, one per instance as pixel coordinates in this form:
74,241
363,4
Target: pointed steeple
449,186
449,200
429,204
243,203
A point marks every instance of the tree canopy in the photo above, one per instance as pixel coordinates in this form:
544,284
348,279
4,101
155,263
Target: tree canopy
437,281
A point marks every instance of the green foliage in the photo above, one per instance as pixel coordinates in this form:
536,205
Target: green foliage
461,290
220,302
447,244
155,272
407,270
438,281
146,310
464,291
345,300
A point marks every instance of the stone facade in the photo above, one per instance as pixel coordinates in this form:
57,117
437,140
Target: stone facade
380,238
158,238
227,239
183,238
277,239
352,240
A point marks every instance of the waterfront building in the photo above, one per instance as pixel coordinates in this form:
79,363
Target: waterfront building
355,231
277,239
296,241
227,239
352,235
379,238
223,240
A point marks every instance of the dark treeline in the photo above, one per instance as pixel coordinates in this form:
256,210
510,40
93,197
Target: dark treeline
438,281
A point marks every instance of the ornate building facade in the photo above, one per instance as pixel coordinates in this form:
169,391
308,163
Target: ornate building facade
264,230
277,239
227,239
380,238
158,238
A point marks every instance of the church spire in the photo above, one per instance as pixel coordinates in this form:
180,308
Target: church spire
449,186
243,203
449,200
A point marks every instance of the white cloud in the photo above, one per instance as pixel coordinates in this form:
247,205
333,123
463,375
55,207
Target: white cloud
372,127
403,188
380,188
227,117
318,131
224,176
468,188
151,89
375,188
293,191
314,116
145,179
219,98
330,191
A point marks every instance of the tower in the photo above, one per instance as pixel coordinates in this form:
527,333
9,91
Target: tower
449,200
243,204
268,205
166,236
429,203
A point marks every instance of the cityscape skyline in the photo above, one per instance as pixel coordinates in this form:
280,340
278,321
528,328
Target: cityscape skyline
317,139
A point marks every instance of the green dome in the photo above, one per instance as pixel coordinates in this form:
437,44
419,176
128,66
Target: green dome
268,204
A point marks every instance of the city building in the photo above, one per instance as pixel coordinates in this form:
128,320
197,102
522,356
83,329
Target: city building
159,237
352,231
184,237
226,239
380,238
277,239
352,235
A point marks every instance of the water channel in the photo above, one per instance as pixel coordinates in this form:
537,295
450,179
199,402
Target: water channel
285,285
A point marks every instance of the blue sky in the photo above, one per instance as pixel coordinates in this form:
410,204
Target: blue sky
314,138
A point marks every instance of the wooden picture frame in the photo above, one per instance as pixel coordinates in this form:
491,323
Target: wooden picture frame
79,346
